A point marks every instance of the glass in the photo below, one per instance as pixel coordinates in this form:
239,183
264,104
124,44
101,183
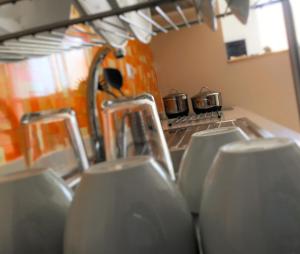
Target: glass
131,127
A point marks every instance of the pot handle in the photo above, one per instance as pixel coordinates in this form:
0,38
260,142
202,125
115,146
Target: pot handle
173,90
204,88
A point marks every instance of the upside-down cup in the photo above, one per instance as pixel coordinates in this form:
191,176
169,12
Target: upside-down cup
129,206
198,158
34,205
251,199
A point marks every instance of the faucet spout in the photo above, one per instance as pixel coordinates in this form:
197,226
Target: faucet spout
93,115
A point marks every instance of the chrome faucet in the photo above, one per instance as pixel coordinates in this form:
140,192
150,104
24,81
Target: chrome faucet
69,117
93,82
142,143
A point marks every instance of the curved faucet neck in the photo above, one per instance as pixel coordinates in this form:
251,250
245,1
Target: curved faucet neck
93,115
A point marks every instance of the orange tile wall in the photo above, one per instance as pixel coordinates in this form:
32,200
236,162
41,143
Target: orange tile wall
59,81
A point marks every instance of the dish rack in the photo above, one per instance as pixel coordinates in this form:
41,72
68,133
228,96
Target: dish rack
49,39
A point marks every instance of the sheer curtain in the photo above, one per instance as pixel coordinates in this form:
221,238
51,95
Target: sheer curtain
272,31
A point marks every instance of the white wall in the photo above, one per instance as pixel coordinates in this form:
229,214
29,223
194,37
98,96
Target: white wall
191,58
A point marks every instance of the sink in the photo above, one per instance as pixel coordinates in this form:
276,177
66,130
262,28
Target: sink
179,138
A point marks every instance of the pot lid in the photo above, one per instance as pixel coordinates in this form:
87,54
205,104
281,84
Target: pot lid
212,93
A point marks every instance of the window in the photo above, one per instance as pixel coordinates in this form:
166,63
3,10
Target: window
265,31
236,49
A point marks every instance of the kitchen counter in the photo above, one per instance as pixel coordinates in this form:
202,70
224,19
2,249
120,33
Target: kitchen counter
178,132
266,127
273,128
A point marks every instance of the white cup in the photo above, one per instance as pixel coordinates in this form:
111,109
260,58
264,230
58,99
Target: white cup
251,199
129,206
198,158
33,210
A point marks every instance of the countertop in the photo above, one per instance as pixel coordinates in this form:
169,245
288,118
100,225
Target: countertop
262,126
272,127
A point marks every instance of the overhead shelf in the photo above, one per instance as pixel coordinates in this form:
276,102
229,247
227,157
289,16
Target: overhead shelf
54,38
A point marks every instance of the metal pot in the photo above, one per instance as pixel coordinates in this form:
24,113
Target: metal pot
176,104
206,101
214,101
200,104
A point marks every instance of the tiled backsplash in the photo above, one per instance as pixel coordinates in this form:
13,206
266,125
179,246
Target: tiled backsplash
59,81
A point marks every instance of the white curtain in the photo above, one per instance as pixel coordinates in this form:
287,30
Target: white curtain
271,27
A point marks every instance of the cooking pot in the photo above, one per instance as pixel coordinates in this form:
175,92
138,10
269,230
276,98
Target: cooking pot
176,104
206,101
214,101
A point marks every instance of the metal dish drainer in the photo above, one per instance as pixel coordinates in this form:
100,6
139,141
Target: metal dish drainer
47,39
180,133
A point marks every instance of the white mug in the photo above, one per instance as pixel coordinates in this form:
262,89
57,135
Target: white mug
198,158
251,199
33,211
129,206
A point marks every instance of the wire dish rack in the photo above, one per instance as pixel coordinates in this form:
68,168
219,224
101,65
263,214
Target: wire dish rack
53,38
179,135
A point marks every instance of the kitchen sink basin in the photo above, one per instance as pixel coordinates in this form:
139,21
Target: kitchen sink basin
178,138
